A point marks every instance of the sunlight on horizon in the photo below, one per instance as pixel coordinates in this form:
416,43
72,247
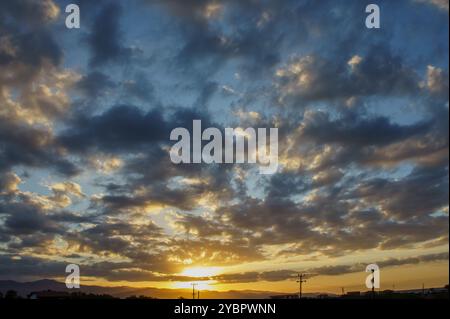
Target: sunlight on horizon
200,285
199,272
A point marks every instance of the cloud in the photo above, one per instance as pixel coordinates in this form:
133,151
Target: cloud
312,77
437,81
24,219
281,275
354,177
95,84
140,88
62,193
25,38
415,187
441,4
25,267
323,140
31,146
9,183
119,129
106,37
343,218
34,12
357,131
207,42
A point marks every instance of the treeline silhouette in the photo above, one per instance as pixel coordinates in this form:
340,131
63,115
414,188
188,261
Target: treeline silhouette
49,294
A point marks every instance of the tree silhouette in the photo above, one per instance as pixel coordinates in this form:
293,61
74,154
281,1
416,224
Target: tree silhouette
11,294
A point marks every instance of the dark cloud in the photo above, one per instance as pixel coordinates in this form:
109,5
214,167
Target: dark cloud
345,269
367,140
29,11
25,38
119,129
25,267
109,237
208,44
419,194
26,220
24,145
95,84
141,88
314,78
106,37
26,225
38,47
356,131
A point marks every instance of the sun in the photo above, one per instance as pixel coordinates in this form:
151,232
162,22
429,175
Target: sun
201,272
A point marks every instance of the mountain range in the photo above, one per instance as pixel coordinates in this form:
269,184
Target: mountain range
25,288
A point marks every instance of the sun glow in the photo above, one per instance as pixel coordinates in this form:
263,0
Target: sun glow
199,285
200,272
203,276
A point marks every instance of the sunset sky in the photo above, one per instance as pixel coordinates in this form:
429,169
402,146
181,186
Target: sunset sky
363,119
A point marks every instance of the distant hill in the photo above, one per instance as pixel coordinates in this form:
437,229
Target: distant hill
25,288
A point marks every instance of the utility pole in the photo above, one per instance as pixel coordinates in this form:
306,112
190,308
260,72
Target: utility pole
193,290
343,291
198,294
373,283
300,280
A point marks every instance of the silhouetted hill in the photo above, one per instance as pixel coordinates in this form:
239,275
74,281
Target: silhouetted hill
25,288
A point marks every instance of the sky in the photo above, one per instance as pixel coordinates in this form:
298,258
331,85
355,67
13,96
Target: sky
363,121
